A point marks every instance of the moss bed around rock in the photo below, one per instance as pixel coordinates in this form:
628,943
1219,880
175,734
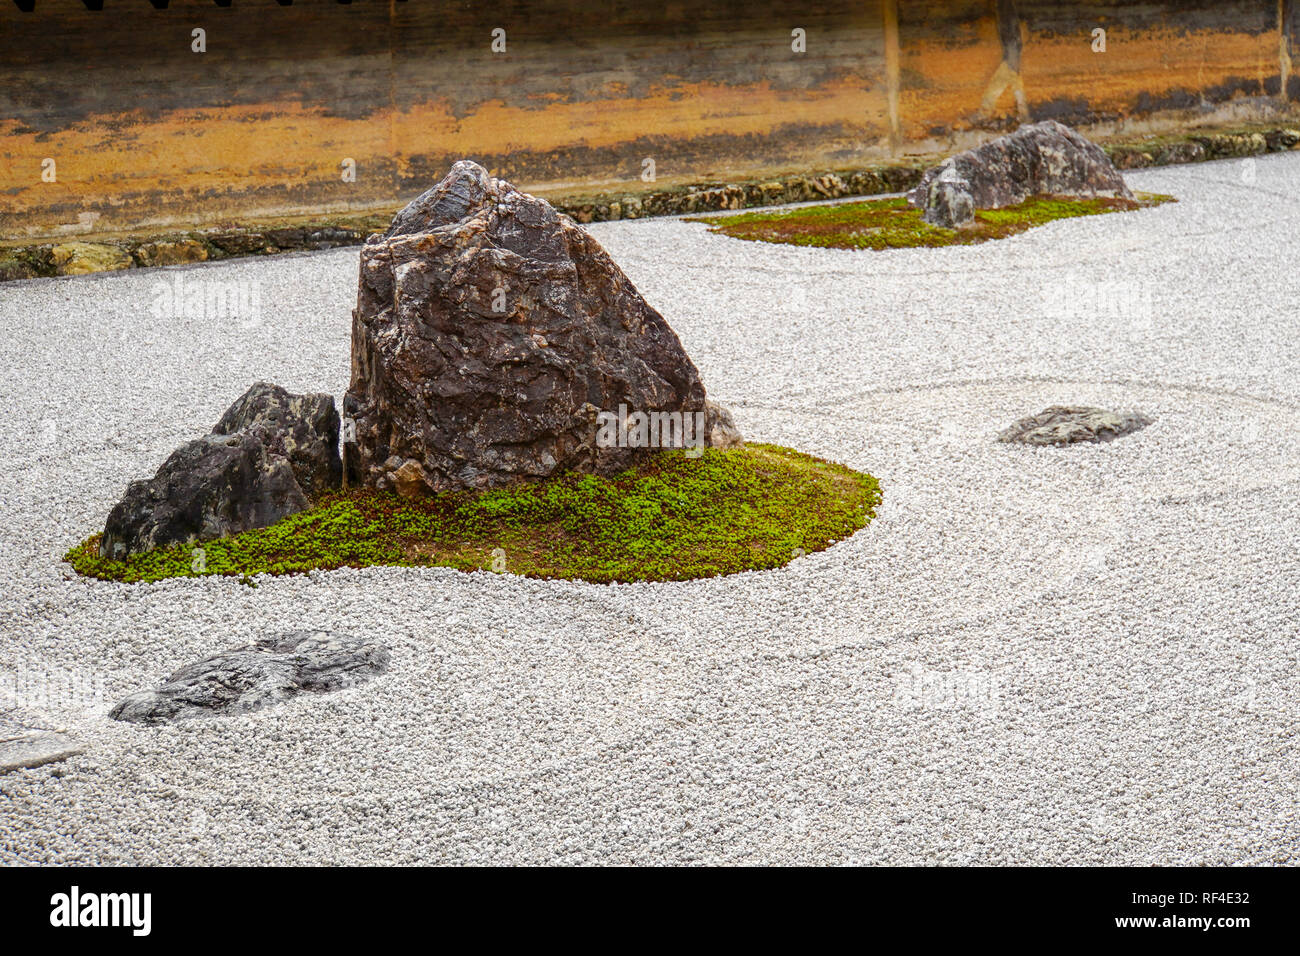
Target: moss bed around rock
893,224
675,518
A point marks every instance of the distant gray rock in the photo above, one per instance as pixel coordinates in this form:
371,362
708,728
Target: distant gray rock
1068,424
1043,159
256,676
720,429
949,202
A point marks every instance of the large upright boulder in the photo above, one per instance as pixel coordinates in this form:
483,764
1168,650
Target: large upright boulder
1042,159
490,333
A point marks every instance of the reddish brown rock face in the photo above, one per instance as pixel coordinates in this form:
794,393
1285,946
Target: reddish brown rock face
490,331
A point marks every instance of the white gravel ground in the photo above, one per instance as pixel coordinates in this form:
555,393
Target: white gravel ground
1083,655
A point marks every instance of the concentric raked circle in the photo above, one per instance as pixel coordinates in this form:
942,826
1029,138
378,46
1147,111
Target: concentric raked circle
972,528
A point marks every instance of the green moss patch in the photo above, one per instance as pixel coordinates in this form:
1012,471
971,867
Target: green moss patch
893,224
675,518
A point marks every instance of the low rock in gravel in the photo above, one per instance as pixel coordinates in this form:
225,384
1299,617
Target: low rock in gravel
211,487
36,749
1042,159
490,331
1068,424
258,675
301,428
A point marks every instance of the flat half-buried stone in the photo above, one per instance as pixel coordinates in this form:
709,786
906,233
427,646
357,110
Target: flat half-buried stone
35,749
1070,424
257,676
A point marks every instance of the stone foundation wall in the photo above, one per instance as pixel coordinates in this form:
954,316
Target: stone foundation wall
78,256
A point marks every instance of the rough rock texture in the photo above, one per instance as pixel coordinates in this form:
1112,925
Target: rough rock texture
949,201
1043,159
256,676
302,428
268,454
79,258
490,330
170,253
1067,424
208,488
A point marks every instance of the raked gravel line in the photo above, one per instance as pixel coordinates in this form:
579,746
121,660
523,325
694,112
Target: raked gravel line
1083,655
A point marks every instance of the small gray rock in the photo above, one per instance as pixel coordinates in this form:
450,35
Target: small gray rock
949,202
720,429
302,428
268,454
1068,424
211,487
256,676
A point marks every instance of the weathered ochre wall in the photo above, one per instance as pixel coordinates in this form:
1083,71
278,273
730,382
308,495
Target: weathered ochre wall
143,132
